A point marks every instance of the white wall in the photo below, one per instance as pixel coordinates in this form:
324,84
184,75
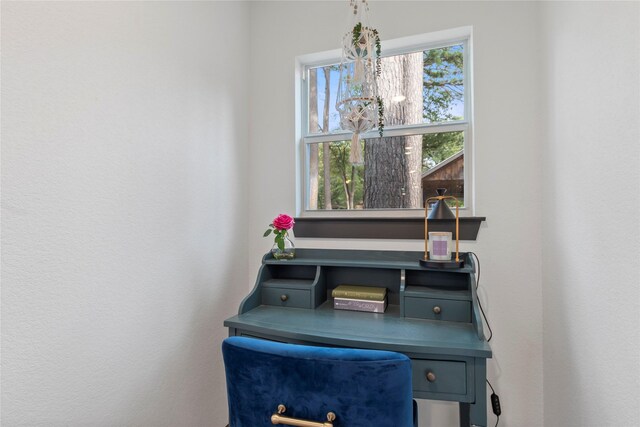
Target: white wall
125,187
123,209
591,208
508,170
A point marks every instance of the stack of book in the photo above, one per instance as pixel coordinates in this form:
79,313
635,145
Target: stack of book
360,298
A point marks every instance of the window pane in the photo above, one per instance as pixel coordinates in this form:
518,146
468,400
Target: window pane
443,86
323,87
398,172
333,182
443,165
416,88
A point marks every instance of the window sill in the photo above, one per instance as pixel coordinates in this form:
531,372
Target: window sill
383,228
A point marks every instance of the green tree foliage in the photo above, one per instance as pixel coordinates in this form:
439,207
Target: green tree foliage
437,147
443,82
346,179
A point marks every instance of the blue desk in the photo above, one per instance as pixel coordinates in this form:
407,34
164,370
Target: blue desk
432,317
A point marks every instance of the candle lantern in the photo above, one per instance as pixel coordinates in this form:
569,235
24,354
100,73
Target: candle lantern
438,252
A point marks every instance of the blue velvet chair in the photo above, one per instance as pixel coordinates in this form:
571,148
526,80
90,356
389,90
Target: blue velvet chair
363,388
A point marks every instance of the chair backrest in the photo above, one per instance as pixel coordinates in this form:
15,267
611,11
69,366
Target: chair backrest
364,388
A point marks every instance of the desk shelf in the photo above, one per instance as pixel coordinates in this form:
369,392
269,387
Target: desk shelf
408,260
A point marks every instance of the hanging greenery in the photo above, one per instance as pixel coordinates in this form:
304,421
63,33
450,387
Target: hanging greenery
356,33
380,115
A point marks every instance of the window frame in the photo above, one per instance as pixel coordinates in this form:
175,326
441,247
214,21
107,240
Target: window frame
422,42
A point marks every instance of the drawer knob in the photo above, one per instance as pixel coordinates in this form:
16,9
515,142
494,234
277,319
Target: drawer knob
284,297
431,377
437,309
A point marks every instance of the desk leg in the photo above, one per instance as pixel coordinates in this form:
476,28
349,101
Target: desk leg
475,414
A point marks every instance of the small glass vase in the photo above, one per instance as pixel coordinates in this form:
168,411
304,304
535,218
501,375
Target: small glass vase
289,251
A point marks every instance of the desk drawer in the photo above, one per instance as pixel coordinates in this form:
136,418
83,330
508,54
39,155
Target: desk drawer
437,309
284,297
439,376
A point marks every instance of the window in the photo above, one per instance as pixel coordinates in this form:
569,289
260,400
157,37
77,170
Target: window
425,85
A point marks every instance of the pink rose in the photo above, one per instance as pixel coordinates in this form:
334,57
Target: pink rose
283,222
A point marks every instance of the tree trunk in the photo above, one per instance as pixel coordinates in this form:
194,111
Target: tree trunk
313,148
344,163
393,165
326,151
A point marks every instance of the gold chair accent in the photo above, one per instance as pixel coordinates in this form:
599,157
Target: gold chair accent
278,418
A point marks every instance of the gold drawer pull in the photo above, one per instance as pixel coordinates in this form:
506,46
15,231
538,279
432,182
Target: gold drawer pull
284,297
437,309
278,418
431,377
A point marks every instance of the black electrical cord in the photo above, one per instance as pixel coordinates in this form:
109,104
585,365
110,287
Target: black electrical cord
478,297
493,404
495,400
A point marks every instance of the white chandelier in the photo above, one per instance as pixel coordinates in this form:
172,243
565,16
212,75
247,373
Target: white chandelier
357,101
